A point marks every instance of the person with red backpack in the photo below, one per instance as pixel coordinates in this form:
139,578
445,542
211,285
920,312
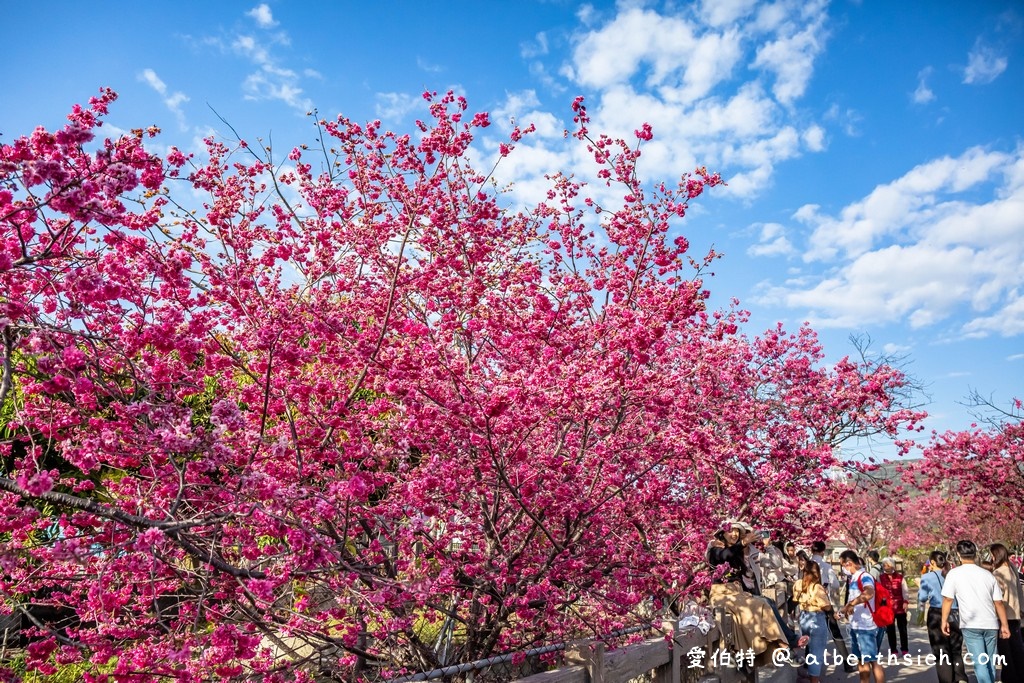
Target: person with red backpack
863,605
896,585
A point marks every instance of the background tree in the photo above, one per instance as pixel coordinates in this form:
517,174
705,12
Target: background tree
323,419
868,516
983,470
938,519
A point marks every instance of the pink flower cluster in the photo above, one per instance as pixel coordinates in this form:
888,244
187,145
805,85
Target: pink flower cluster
343,411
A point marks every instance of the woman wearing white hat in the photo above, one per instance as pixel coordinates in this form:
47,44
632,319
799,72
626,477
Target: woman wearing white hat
758,622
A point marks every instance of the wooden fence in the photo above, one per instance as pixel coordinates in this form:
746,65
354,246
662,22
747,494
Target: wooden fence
669,658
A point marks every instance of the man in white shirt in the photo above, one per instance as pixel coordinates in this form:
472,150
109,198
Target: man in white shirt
866,637
828,575
982,612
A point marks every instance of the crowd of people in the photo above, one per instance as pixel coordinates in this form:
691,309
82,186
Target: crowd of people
781,596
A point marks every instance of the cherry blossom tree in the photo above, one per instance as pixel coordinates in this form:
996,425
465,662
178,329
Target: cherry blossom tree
983,469
911,511
866,515
895,518
350,415
939,518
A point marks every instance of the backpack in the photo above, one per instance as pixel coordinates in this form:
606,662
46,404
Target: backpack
883,614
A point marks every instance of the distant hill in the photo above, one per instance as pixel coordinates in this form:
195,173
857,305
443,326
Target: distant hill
889,471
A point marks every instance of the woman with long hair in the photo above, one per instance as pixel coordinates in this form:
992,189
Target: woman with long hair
813,602
1011,648
759,624
730,546
948,650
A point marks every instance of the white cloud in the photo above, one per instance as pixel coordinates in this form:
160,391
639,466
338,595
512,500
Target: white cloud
272,78
429,67
717,85
814,138
521,109
1008,321
847,118
984,65
586,14
945,239
172,101
671,50
535,48
791,56
270,81
395,105
892,349
250,48
515,105
765,151
722,12
917,284
262,15
771,16
923,94
772,241
524,170
894,209
713,61
267,85
150,77
746,115
1015,357
739,137
746,184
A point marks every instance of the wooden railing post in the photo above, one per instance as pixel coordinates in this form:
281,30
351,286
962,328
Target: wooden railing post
727,643
725,622
677,655
672,672
590,656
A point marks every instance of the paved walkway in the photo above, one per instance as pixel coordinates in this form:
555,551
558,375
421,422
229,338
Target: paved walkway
897,671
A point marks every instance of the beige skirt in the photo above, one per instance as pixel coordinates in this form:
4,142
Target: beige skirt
756,627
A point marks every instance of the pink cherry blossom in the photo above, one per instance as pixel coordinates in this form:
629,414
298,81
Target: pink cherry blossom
337,407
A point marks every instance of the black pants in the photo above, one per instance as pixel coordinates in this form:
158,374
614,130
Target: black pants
1013,649
948,650
890,630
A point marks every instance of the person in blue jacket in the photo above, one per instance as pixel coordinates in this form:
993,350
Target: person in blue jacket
948,650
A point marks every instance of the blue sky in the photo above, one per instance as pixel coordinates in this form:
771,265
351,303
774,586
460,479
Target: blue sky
873,150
